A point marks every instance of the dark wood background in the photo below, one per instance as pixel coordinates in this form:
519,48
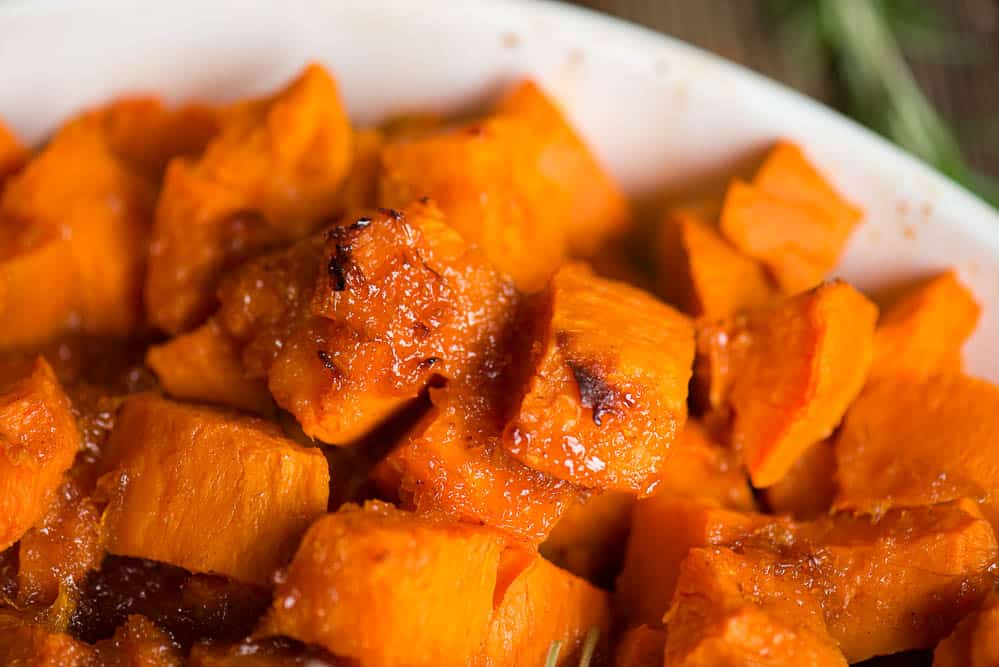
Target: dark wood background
967,94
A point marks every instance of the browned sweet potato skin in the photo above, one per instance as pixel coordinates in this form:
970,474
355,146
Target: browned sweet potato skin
38,440
808,356
267,178
206,490
608,391
975,640
384,587
640,646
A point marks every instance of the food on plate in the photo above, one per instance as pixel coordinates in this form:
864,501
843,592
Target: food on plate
279,389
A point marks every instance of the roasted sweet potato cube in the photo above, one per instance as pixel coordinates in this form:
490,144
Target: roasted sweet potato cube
975,640
640,646
452,463
907,442
48,269
731,609
264,653
13,154
589,538
536,603
700,467
209,491
921,334
786,373
25,643
664,528
384,587
138,643
519,183
360,189
206,365
269,177
608,390
38,441
702,273
790,219
808,489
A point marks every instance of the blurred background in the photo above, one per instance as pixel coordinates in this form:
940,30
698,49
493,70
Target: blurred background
925,73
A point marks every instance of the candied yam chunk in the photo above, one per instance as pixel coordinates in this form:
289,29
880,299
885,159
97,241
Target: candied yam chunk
730,609
13,154
664,528
268,177
360,189
789,218
589,538
541,604
265,653
518,182
922,333
453,464
139,643
38,441
702,273
206,365
608,390
700,467
384,587
48,269
975,640
808,489
640,646
907,442
25,643
206,490
785,374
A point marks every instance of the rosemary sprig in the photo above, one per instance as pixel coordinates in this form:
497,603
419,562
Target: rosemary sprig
553,651
589,647
862,40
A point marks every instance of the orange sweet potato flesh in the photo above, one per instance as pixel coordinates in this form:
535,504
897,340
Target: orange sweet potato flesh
702,273
975,640
265,653
608,391
206,490
38,441
206,365
269,176
138,643
907,442
25,643
360,189
786,373
731,610
383,587
352,325
589,538
922,333
540,605
13,154
518,182
808,489
640,646
790,219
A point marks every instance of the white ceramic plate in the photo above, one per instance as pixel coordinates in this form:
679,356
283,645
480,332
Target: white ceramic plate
658,111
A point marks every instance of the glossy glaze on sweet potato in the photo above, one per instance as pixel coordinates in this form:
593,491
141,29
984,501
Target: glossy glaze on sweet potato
608,390
38,441
383,587
518,182
640,646
789,218
908,442
270,176
703,274
921,333
785,374
207,490
138,643
13,154
975,640
23,642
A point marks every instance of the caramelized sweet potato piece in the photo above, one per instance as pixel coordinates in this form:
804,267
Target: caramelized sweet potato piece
906,442
975,640
206,490
269,176
731,610
519,183
205,364
640,646
266,653
790,219
541,604
808,489
699,467
664,528
38,441
138,643
384,587
787,373
75,221
608,390
589,538
702,273
25,643
360,189
922,333
13,155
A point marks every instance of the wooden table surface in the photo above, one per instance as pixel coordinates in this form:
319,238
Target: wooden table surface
966,94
